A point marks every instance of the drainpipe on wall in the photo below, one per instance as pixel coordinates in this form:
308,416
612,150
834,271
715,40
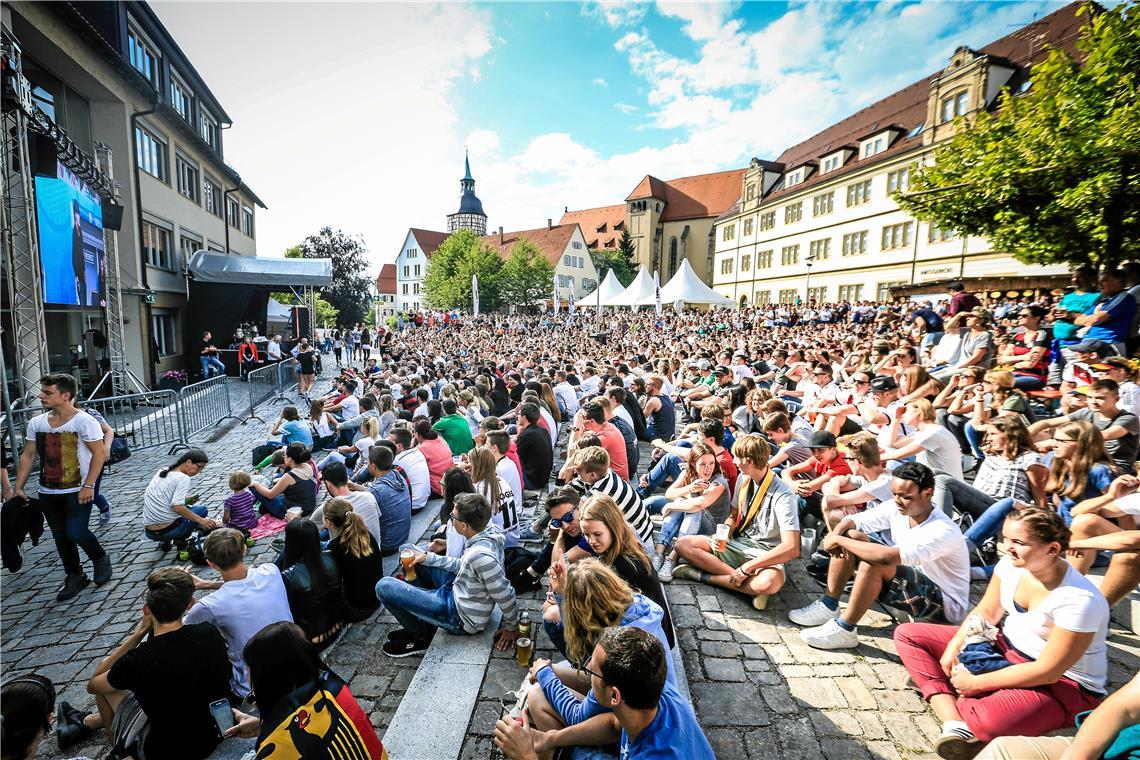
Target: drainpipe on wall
144,328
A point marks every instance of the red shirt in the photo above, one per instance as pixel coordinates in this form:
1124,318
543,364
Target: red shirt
837,466
728,467
438,456
614,444
513,455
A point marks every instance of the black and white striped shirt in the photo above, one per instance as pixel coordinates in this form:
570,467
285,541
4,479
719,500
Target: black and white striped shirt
629,503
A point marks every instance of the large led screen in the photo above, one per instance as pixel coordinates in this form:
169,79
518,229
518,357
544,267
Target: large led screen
71,240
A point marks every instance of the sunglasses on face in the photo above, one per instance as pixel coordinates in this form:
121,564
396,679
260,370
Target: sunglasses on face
556,522
1064,440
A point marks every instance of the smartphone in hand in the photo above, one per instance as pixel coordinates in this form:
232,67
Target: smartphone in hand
223,715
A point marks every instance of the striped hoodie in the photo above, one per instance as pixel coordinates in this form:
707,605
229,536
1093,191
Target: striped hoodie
480,580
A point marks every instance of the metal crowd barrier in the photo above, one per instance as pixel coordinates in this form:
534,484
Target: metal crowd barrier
263,385
286,380
206,404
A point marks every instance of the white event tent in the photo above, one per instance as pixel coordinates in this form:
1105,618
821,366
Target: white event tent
610,287
687,287
638,290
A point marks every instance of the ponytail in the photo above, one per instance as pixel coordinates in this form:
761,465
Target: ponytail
195,456
353,533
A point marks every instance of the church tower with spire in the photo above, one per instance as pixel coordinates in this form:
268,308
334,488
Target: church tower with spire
470,215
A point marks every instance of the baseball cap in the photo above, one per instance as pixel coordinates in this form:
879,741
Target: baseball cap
1091,347
703,364
883,383
821,439
722,370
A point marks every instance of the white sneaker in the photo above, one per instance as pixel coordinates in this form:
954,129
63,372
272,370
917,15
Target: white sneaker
957,742
658,560
815,614
830,636
665,574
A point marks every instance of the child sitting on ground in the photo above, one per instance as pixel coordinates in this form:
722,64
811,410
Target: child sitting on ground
239,509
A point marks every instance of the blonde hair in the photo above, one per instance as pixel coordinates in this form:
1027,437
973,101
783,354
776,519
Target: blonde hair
864,447
593,459
924,408
1003,381
370,427
354,536
752,448
1089,451
623,540
483,462
595,598
239,479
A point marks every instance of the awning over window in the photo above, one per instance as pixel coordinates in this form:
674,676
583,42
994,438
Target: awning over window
260,271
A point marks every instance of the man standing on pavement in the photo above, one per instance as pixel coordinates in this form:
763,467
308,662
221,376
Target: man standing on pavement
69,444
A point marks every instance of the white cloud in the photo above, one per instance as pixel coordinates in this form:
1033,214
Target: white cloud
600,82
617,13
625,108
357,135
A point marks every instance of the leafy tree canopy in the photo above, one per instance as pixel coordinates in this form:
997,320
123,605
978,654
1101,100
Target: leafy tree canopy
447,282
527,276
1052,175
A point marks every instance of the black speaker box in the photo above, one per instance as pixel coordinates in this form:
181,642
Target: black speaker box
43,156
112,216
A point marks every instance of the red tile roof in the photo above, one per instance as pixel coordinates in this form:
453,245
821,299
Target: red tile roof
429,240
386,280
552,241
907,107
601,226
705,195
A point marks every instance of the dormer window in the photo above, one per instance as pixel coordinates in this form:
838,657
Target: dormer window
750,192
873,146
955,105
794,178
831,163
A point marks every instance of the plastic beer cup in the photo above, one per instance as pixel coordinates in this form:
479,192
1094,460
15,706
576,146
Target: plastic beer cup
722,532
407,558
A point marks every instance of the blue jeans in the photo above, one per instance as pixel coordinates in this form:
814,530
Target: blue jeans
180,528
974,438
68,520
100,500
557,635
423,605
667,467
654,504
214,362
274,506
931,339
700,523
989,523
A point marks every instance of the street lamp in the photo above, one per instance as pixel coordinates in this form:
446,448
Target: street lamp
809,260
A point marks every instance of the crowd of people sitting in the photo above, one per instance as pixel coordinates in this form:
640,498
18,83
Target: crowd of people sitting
910,452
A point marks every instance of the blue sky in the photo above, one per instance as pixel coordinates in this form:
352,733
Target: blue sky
356,115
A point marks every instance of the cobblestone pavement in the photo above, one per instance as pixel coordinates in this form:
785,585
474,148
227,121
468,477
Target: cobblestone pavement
758,690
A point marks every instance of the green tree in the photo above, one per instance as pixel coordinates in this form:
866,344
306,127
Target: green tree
1052,175
527,276
447,281
348,295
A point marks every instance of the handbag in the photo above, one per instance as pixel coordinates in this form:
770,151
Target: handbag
119,452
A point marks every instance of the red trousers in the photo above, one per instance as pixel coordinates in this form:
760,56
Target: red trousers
1006,712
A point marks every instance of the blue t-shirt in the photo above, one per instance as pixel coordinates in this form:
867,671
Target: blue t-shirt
1121,308
673,735
296,431
395,501
1077,303
932,319
1100,478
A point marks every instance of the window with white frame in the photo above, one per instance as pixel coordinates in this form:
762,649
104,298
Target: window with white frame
764,259
793,212
577,245
746,262
936,234
726,266
164,331
188,244
831,163
954,105
789,254
748,226
873,146
823,204
883,292
767,220
157,249
850,292
898,181
859,193
788,295
417,272
855,243
189,182
566,259
589,284
728,232
182,98
407,270
794,178
750,192
896,236
818,294
763,298
233,214
144,55
150,153
212,196
247,220
412,253
210,130
820,250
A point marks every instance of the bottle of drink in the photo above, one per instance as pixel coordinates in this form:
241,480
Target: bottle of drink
524,625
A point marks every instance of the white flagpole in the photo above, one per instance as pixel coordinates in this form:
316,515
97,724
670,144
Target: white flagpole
555,294
475,294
